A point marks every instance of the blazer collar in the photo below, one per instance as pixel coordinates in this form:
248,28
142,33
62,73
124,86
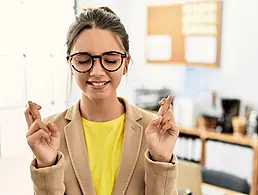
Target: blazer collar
74,137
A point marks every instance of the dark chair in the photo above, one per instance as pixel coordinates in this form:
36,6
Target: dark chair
225,180
184,192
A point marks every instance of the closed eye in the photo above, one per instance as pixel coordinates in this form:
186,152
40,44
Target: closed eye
111,61
84,62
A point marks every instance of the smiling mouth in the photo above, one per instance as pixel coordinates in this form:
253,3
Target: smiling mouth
98,84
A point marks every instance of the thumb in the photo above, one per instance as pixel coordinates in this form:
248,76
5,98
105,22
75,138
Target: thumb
156,121
54,130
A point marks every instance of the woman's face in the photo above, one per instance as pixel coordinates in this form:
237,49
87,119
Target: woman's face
98,83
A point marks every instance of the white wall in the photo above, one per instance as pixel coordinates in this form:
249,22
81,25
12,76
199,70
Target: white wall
236,76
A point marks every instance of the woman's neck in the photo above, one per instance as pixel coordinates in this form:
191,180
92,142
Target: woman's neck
101,110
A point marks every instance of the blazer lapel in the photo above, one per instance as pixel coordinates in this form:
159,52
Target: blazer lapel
133,133
75,141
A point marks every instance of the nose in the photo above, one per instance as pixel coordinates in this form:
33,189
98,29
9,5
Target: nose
97,70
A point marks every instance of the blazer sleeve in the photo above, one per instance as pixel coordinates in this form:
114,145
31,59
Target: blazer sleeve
48,180
160,178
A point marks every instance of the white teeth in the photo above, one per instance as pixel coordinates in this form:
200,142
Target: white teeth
98,84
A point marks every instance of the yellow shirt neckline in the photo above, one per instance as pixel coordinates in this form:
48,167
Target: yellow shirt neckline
105,122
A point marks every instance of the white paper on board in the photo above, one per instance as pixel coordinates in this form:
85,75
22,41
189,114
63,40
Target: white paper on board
201,49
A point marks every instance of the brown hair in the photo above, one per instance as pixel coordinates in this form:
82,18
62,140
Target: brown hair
102,18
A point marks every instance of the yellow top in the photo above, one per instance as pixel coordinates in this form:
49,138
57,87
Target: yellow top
104,145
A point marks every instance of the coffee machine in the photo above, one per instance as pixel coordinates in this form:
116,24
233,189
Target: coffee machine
230,109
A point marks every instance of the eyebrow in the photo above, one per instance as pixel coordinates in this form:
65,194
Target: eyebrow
88,52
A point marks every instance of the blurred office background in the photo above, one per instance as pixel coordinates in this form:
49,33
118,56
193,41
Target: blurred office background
207,99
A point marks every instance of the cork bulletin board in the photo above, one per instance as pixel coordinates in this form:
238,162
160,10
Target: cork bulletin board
187,33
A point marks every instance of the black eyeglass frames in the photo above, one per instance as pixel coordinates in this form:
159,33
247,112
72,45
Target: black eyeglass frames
83,61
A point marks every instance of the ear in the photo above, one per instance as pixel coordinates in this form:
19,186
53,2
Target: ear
127,61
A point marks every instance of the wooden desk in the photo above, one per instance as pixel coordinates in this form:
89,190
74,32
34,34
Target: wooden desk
212,190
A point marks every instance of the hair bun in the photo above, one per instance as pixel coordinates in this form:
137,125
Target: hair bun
107,9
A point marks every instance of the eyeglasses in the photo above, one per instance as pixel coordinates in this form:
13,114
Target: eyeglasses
83,62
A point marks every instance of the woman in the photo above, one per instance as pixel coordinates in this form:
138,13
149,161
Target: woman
102,144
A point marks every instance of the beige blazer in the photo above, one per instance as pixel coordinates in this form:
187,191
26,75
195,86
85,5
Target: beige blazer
137,174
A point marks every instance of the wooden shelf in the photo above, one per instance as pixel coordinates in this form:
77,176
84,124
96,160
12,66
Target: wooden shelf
229,138
193,131
244,141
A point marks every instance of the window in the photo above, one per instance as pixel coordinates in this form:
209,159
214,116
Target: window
32,63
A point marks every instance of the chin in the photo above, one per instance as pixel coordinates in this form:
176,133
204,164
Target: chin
98,96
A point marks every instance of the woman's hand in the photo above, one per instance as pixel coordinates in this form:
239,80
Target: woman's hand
43,139
162,132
